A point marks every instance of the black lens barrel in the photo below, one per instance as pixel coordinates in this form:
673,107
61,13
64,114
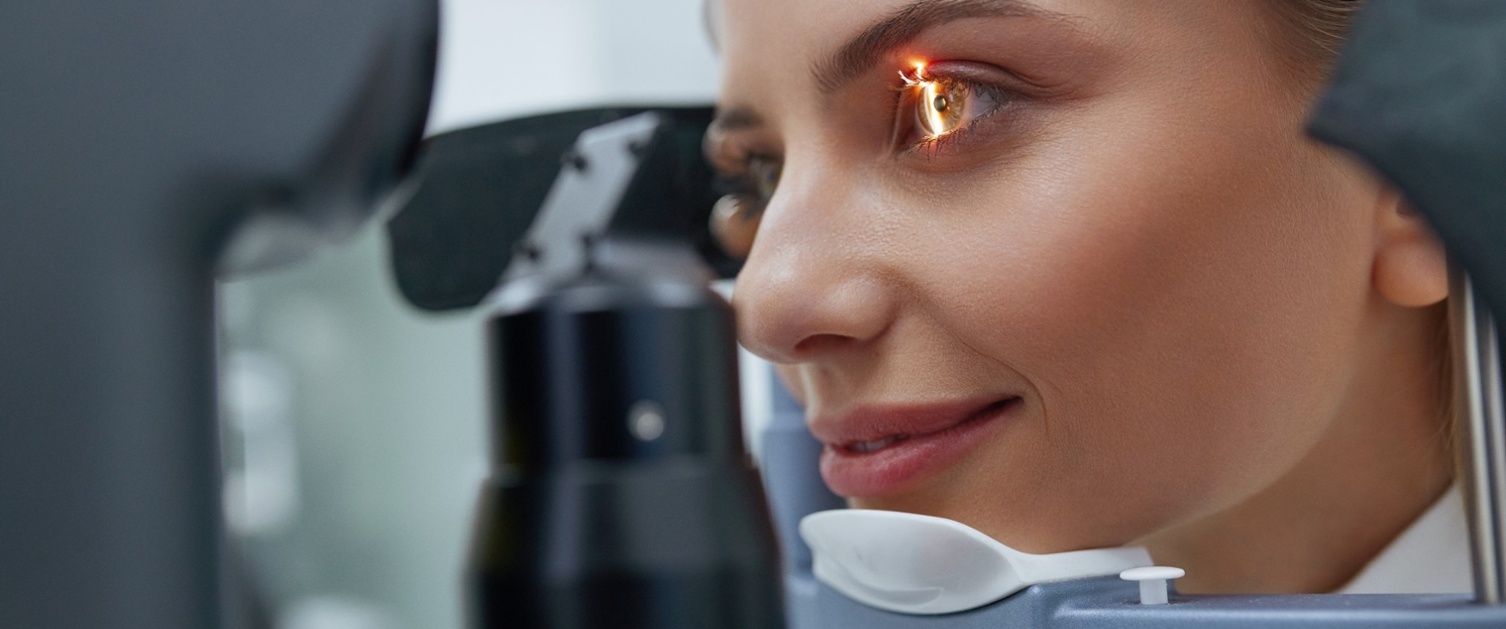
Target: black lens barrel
621,495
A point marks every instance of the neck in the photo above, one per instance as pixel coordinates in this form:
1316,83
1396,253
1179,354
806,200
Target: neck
1384,460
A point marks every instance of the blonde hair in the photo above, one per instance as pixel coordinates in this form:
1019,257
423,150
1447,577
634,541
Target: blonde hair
1311,33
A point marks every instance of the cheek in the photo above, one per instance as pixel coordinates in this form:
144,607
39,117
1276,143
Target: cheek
1183,310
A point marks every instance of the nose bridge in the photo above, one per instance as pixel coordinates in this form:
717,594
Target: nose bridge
811,283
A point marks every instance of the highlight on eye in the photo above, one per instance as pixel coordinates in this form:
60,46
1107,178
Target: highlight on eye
942,105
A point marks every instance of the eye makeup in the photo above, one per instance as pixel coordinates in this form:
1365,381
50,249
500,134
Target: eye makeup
939,103
746,179
936,108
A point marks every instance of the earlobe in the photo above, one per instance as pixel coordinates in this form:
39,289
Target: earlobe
1410,268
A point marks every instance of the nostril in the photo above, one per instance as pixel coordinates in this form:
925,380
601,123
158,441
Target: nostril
818,343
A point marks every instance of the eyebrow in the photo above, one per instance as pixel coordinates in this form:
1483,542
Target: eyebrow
884,36
737,119
901,27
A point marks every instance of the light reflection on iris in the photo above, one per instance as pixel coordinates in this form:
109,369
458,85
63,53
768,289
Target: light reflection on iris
941,103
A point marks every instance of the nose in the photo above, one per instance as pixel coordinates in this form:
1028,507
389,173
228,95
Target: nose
812,286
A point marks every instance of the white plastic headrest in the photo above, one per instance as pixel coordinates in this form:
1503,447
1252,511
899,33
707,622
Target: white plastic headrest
918,564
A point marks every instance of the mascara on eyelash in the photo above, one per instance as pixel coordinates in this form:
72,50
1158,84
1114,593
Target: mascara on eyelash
940,109
934,101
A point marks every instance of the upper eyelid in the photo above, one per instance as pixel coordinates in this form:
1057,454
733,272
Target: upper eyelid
725,161
729,157
911,23
970,72
903,148
729,121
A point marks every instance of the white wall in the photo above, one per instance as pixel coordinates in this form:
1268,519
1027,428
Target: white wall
504,58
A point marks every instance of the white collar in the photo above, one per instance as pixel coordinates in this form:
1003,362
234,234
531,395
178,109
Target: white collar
1431,556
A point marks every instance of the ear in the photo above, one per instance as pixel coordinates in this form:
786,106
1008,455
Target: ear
1410,268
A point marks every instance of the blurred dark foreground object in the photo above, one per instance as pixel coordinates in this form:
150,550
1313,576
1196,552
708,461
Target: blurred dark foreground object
482,187
142,145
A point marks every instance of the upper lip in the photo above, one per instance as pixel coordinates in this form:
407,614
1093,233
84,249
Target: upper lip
876,422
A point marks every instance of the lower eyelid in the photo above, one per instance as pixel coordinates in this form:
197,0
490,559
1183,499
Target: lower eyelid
984,127
1001,99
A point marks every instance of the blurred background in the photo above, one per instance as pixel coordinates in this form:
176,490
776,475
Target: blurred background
355,426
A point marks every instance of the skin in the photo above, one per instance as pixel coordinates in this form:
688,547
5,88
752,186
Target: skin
1224,335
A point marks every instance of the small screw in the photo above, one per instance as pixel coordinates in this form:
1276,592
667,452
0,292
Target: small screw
574,160
527,249
646,420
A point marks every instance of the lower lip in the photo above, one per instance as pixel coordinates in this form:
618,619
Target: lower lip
900,466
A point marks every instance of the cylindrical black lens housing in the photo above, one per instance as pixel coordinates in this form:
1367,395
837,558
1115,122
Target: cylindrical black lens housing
622,496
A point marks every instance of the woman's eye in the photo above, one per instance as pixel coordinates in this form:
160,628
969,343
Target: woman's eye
763,175
754,181
736,216
933,108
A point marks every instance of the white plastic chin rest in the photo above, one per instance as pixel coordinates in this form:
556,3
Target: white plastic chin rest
918,564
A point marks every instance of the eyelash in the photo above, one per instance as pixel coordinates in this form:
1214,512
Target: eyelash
755,181
906,99
746,180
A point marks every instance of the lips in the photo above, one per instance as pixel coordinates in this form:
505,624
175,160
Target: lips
882,450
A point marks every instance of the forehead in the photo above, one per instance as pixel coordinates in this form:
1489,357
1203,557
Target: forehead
774,48
800,24
769,45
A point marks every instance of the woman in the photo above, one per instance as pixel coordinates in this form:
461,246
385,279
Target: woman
1069,272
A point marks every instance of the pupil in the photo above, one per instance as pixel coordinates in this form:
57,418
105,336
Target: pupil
939,103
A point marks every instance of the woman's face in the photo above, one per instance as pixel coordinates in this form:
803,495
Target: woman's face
1078,279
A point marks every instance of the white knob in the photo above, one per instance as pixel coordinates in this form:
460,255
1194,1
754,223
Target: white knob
1153,582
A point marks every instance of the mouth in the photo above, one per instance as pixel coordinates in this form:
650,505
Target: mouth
879,451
